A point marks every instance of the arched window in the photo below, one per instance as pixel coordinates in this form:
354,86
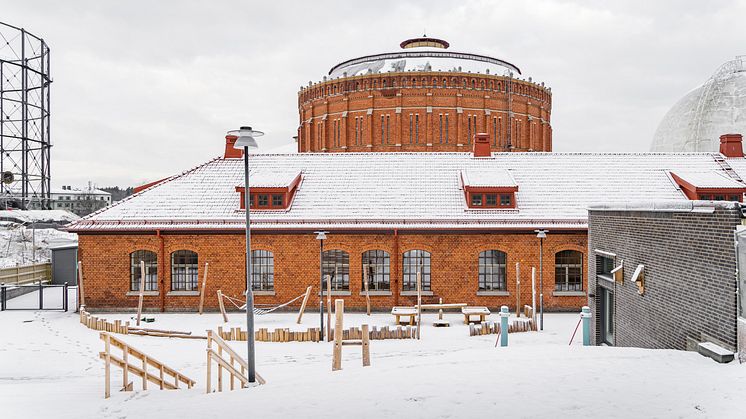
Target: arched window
184,271
262,270
568,271
492,270
415,261
376,264
336,265
151,270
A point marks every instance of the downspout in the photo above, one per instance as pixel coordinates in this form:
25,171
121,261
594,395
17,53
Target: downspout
395,288
161,270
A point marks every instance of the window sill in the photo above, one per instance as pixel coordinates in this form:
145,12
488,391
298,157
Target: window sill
343,293
182,293
414,293
568,294
493,293
263,292
376,293
145,293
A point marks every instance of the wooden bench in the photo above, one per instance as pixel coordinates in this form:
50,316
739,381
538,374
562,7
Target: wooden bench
399,312
482,312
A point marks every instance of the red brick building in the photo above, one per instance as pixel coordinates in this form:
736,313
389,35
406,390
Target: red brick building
423,98
461,219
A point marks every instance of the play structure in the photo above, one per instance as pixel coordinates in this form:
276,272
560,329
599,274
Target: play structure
229,364
165,377
261,309
339,340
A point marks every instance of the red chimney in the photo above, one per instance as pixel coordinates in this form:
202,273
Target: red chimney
731,145
230,152
482,145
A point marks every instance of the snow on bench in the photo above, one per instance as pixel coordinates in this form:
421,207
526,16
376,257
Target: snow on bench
481,312
399,312
715,352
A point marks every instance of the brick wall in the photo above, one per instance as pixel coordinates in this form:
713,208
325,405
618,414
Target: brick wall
454,266
690,264
324,106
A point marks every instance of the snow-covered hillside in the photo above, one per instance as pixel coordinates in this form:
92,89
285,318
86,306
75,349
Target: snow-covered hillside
17,243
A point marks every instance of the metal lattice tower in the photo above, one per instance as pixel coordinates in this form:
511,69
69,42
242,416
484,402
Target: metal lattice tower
24,119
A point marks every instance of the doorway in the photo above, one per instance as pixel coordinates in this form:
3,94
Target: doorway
606,320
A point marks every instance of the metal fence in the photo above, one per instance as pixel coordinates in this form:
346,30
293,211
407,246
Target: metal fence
35,297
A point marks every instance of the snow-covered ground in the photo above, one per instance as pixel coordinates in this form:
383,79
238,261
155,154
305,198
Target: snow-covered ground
49,368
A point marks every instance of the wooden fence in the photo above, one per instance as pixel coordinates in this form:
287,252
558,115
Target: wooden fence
489,328
313,334
28,274
95,323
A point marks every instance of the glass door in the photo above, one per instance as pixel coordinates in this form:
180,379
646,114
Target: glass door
607,316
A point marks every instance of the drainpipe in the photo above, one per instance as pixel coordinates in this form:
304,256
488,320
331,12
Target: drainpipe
395,283
161,271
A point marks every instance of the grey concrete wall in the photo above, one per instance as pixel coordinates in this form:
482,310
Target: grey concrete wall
690,266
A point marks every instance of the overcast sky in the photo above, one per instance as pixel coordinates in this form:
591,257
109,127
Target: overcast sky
146,89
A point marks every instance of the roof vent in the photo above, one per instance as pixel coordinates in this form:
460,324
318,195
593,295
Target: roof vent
731,145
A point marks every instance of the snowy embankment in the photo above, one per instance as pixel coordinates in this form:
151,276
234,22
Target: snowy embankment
49,368
17,244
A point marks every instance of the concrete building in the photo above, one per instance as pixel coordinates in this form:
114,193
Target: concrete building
80,201
664,274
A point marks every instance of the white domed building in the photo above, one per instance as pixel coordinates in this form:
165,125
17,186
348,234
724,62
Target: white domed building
696,121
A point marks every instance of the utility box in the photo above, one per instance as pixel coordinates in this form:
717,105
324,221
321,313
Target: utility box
64,262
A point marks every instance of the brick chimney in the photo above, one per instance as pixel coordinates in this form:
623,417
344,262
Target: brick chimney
230,152
482,145
731,145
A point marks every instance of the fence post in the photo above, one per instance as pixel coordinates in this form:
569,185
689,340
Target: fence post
3,295
586,316
64,297
41,296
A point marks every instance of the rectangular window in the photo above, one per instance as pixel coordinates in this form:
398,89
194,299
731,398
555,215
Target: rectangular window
476,200
446,128
494,130
411,129
491,200
604,266
277,200
387,130
252,202
184,276
262,270
468,129
440,127
506,200
417,129
383,131
262,200
492,264
415,261
151,270
719,198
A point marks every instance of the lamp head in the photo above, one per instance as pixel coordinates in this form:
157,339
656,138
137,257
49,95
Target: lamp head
246,137
321,235
541,234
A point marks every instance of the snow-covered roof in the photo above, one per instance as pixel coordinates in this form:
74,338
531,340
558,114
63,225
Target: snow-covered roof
716,179
404,191
78,191
488,178
272,178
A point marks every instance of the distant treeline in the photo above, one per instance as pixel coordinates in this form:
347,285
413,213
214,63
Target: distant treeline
117,193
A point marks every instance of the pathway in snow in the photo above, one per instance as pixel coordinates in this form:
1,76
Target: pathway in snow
49,368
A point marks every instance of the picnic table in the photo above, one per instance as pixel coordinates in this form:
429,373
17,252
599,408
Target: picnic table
480,312
400,312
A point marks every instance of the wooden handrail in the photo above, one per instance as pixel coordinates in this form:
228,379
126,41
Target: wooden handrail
164,371
218,357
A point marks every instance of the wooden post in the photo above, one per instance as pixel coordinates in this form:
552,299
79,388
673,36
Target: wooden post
365,285
366,346
208,381
303,305
518,289
419,302
339,309
329,308
142,291
202,290
107,367
145,371
222,307
81,291
125,368
220,369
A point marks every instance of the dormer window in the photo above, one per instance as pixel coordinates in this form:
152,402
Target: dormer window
493,189
709,186
270,190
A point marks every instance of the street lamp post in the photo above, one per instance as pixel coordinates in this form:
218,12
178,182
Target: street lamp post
321,236
245,140
541,235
